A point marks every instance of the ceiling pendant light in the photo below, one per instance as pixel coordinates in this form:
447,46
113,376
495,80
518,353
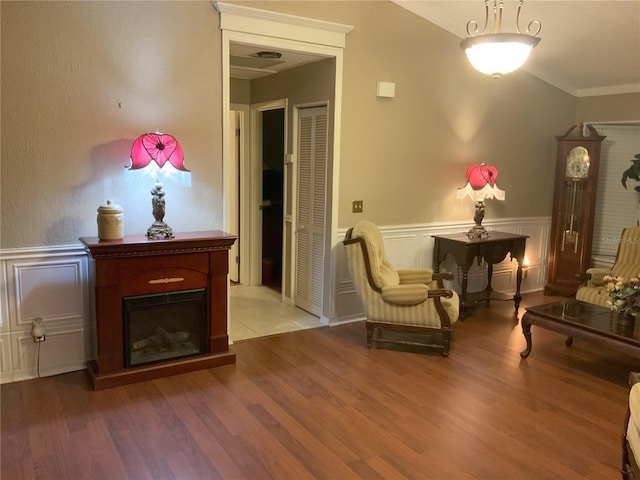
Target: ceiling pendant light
499,53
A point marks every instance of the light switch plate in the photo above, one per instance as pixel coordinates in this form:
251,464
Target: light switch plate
357,206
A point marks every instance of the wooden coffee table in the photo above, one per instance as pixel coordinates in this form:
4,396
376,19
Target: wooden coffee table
582,320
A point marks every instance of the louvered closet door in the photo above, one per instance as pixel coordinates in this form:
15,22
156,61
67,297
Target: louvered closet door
312,187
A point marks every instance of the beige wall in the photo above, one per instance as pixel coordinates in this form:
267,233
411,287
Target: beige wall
608,108
240,91
75,98
311,83
405,157
80,81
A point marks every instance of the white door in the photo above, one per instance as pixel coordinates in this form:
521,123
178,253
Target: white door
310,212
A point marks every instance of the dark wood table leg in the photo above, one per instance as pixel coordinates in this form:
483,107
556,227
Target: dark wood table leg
517,252
526,331
436,256
489,288
463,294
517,297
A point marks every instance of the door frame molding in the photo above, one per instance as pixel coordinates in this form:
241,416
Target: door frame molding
243,190
270,29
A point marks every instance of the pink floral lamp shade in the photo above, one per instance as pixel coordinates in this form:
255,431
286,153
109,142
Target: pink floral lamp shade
157,147
481,185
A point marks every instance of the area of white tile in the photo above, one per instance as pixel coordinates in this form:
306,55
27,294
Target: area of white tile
260,311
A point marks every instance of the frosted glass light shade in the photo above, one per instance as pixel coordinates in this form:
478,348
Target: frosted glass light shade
497,54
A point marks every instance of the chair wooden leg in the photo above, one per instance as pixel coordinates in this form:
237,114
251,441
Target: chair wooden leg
446,340
369,336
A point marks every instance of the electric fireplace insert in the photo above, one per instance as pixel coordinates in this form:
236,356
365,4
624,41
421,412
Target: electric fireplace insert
164,326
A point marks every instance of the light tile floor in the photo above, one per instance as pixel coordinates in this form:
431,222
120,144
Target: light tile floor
259,311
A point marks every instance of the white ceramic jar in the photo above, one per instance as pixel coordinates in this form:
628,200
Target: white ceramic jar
110,222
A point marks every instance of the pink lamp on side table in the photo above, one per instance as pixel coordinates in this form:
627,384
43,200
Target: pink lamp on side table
481,185
158,154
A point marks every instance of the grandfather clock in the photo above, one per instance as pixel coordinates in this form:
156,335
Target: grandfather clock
574,202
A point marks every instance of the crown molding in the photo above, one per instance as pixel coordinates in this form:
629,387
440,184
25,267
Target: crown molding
612,90
263,22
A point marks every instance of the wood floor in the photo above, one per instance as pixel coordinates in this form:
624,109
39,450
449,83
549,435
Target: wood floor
317,404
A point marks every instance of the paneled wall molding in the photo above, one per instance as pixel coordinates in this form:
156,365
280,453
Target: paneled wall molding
603,261
53,283
48,251
436,228
411,247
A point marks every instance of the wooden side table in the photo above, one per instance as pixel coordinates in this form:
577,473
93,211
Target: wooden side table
493,250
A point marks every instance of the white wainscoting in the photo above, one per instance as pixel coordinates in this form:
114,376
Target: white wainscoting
54,283
411,247
50,283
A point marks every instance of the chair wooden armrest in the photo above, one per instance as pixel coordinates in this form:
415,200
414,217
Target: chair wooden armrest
440,276
583,277
593,277
445,321
443,276
442,292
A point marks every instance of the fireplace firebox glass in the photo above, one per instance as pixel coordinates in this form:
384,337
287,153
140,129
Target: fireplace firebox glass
163,326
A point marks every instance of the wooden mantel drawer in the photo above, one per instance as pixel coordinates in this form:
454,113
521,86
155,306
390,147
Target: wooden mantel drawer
162,280
122,271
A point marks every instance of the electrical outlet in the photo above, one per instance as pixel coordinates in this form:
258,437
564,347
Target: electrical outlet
38,330
357,206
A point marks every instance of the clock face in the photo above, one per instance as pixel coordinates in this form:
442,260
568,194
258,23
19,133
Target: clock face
577,163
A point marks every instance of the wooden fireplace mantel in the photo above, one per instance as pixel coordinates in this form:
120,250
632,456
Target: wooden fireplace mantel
136,265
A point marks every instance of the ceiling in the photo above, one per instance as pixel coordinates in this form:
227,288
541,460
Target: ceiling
245,61
587,47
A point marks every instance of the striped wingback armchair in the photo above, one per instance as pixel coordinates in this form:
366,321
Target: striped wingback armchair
401,306
631,431
626,265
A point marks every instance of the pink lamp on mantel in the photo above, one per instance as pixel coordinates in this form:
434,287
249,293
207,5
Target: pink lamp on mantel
155,153
481,185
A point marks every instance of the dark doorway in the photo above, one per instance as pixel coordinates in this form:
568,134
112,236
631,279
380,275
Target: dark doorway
272,196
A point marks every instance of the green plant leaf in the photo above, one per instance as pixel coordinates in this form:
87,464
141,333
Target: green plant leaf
633,172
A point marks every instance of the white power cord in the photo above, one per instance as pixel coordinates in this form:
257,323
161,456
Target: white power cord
38,334
38,361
